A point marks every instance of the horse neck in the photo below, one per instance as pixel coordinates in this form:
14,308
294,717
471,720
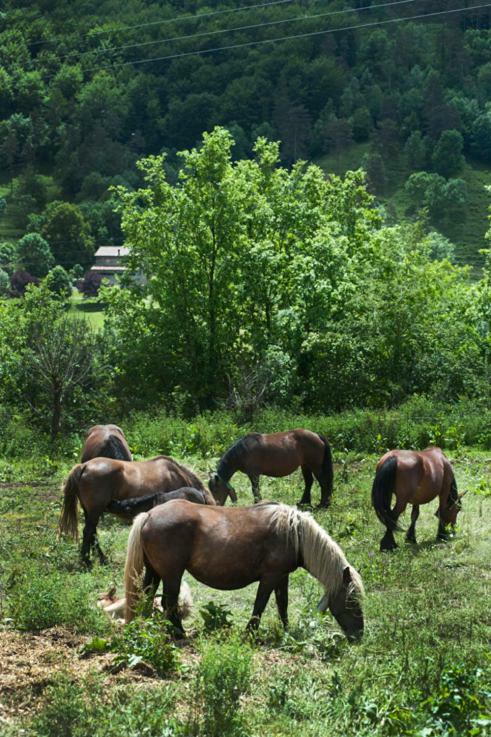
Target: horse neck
227,467
321,556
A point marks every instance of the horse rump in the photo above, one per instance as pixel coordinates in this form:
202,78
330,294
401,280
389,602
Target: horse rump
382,489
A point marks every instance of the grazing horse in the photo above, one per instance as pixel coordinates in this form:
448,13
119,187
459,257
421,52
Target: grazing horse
101,481
415,477
107,441
278,454
129,508
231,547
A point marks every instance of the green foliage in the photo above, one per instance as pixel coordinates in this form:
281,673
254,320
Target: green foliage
58,283
4,283
76,709
447,156
215,617
147,641
40,598
8,256
66,229
223,676
34,253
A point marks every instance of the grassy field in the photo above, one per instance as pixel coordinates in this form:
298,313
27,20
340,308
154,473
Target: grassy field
86,309
422,668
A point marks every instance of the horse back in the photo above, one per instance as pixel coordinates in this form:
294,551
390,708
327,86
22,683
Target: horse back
106,441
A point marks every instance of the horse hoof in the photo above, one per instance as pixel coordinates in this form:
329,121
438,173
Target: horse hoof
411,540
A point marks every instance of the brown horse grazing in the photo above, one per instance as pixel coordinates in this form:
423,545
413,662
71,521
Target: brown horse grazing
231,547
101,481
415,477
107,441
278,454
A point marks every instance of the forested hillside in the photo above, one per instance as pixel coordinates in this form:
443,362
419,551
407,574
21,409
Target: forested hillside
88,88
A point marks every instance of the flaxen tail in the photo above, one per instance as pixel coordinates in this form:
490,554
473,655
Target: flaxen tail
68,523
133,568
382,490
327,467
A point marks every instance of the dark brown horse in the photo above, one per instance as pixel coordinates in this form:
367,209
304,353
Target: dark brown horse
101,481
279,454
106,441
129,508
415,477
229,548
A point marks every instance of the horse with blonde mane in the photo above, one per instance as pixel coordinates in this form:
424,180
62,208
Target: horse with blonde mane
231,547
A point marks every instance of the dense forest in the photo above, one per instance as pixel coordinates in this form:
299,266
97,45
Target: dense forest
83,96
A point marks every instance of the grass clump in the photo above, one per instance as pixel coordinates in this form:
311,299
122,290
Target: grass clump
77,709
223,677
38,599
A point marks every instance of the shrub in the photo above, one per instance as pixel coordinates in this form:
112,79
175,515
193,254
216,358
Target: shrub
215,616
223,676
90,284
147,641
20,280
58,282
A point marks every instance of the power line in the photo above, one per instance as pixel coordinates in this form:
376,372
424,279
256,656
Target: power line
286,38
250,27
176,19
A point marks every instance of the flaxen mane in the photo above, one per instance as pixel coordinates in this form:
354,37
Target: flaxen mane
321,555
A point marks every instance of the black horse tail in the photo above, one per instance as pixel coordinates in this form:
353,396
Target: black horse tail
68,523
327,467
382,489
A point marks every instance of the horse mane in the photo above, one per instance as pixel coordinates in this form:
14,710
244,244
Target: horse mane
189,476
321,555
453,495
228,462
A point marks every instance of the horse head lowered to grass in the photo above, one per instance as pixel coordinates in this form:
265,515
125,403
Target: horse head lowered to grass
279,454
231,547
415,477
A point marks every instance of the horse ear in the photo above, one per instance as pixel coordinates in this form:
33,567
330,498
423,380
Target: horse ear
347,578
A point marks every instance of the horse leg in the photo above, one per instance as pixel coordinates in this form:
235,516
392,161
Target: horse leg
281,595
98,549
254,479
442,533
170,595
264,590
151,582
86,542
308,477
411,533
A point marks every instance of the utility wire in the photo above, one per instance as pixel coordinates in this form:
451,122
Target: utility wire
176,19
249,27
286,38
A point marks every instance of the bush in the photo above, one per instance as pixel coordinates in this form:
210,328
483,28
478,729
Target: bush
223,676
58,282
147,641
20,280
215,616
90,284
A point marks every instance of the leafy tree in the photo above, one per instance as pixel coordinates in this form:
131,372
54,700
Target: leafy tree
4,283
481,137
415,150
8,256
66,229
59,283
90,284
34,253
447,156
